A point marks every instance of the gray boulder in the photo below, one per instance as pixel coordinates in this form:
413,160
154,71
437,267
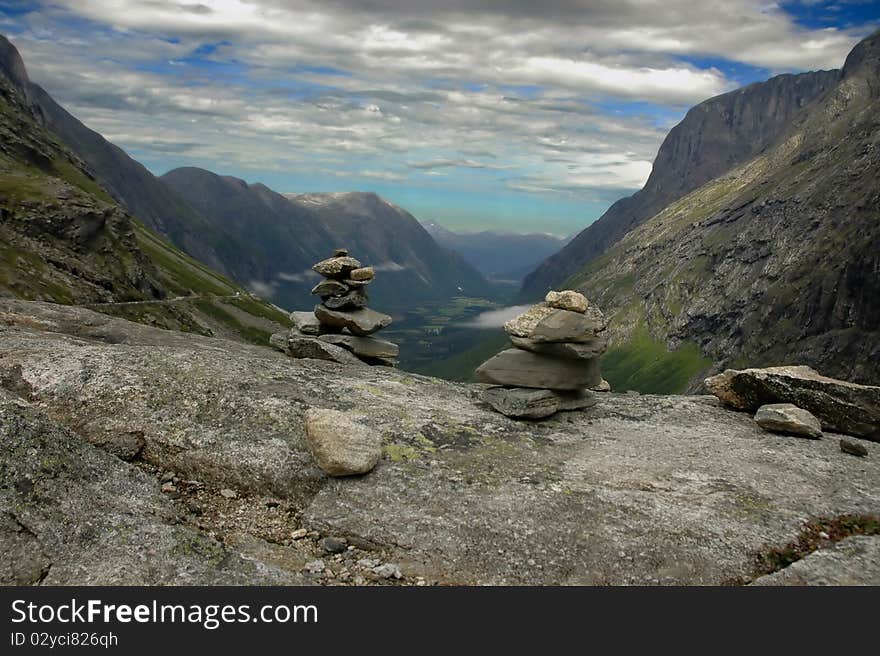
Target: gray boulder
523,403
518,368
356,298
788,419
329,288
318,349
336,267
587,350
567,300
360,322
364,274
306,322
369,347
840,406
340,445
567,326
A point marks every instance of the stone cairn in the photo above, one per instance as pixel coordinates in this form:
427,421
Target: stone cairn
554,364
339,329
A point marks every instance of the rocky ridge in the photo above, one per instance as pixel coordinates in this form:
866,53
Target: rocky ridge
637,489
772,263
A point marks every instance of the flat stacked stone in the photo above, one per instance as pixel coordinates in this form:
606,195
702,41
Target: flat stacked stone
341,326
554,362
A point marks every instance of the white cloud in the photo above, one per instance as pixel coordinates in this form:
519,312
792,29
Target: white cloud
393,90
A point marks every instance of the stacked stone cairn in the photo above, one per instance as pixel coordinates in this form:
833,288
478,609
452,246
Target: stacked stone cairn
341,326
554,364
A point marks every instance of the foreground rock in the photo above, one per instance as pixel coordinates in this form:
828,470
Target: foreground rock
852,561
71,514
341,446
840,406
637,489
788,419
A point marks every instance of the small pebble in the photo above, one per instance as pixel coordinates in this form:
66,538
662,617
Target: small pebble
168,476
387,571
853,448
168,487
314,566
299,534
226,493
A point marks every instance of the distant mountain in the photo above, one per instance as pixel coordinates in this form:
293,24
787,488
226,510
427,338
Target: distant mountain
713,138
774,262
64,239
501,256
286,234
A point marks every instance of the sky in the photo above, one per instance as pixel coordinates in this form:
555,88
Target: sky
513,115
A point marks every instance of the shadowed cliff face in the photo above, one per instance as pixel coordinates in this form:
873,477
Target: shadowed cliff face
774,263
637,489
713,138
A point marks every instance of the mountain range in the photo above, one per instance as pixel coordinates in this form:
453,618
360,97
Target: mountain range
65,239
252,234
286,234
499,256
756,240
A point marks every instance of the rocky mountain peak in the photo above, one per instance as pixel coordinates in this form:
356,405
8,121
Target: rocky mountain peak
864,57
12,65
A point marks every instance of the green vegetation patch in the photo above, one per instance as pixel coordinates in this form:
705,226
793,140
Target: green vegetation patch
645,365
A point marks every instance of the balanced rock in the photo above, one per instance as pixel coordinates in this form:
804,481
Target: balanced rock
306,322
368,347
356,298
361,322
587,350
568,326
523,324
340,252
543,323
317,349
840,406
521,403
788,419
328,287
364,274
567,300
352,284
336,267
518,368
340,445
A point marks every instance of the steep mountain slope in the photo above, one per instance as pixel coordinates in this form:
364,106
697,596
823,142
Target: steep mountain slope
287,234
776,262
64,239
503,256
127,181
712,139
